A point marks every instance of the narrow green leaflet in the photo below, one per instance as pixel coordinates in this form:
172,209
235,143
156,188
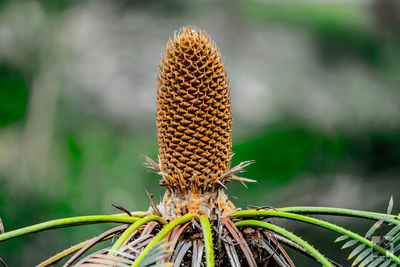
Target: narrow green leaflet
375,227
390,235
385,264
357,250
362,256
390,206
367,261
342,238
376,262
349,243
396,238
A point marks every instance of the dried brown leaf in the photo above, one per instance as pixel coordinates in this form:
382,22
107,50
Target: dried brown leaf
93,242
237,235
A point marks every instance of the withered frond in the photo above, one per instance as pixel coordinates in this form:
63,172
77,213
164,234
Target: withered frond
153,205
240,168
151,164
126,255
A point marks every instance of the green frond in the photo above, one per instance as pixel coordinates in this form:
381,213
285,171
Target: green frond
132,228
208,240
315,253
395,219
318,222
65,222
362,253
168,228
366,254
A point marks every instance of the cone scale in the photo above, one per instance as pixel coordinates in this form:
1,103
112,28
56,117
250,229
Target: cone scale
194,126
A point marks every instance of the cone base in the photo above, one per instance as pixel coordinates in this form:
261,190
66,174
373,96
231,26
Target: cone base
212,204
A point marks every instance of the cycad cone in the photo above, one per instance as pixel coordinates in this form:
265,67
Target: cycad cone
194,127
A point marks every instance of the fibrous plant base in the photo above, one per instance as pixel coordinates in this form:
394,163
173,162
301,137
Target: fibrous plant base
242,239
185,246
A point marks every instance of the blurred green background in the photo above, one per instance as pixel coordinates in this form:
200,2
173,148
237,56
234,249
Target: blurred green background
315,95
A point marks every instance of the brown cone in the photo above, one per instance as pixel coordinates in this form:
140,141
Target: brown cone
193,111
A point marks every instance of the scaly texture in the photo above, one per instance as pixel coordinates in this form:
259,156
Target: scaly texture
194,126
193,110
